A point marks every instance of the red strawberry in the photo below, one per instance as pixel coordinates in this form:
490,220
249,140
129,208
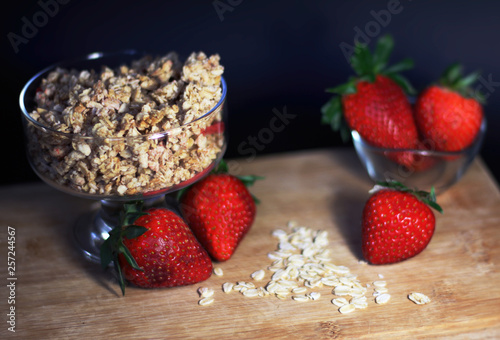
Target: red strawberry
374,104
220,210
217,127
159,250
397,223
450,114
381,114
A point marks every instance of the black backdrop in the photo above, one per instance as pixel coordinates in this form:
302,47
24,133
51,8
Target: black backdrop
279,56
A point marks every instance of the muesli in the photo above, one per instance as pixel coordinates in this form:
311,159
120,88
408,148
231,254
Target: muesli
105,129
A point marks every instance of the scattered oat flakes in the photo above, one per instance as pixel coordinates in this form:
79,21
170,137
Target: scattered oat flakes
262,292
359,302
218,271
249,285
206,301
347,309
381,290
419,298
252,292
278,274
258,275
339,302
342,290
382,298
281,297
299,290
357,291
301,298
227,287
302,262
314,295
205,292
239,288
379,284
330,281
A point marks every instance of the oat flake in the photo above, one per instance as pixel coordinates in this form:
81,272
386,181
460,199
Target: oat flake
383,298
419,298
347,309
218,271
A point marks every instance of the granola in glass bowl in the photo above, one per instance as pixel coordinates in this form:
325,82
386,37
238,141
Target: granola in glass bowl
142,127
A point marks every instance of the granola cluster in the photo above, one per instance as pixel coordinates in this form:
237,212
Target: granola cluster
131,130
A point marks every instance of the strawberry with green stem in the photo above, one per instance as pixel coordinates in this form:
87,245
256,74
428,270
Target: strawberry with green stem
220,210
397,223
374,102
449,114
154,249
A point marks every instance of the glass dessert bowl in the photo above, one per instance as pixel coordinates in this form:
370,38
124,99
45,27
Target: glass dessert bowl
141,146
427,168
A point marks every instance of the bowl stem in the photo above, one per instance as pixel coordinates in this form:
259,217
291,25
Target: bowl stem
92,228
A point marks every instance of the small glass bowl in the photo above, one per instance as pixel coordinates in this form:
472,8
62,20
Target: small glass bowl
428,168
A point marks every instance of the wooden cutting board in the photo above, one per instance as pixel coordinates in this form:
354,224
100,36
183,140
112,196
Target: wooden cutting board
60,295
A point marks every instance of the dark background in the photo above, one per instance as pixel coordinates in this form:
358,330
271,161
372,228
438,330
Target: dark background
278,55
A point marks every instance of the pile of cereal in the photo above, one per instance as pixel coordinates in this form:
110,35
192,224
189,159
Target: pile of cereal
135,102
301,267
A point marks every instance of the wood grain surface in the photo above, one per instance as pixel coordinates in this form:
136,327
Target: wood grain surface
60,295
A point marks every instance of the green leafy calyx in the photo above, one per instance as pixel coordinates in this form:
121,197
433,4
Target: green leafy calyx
428,198
222,168
248,180
113,245
453,79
